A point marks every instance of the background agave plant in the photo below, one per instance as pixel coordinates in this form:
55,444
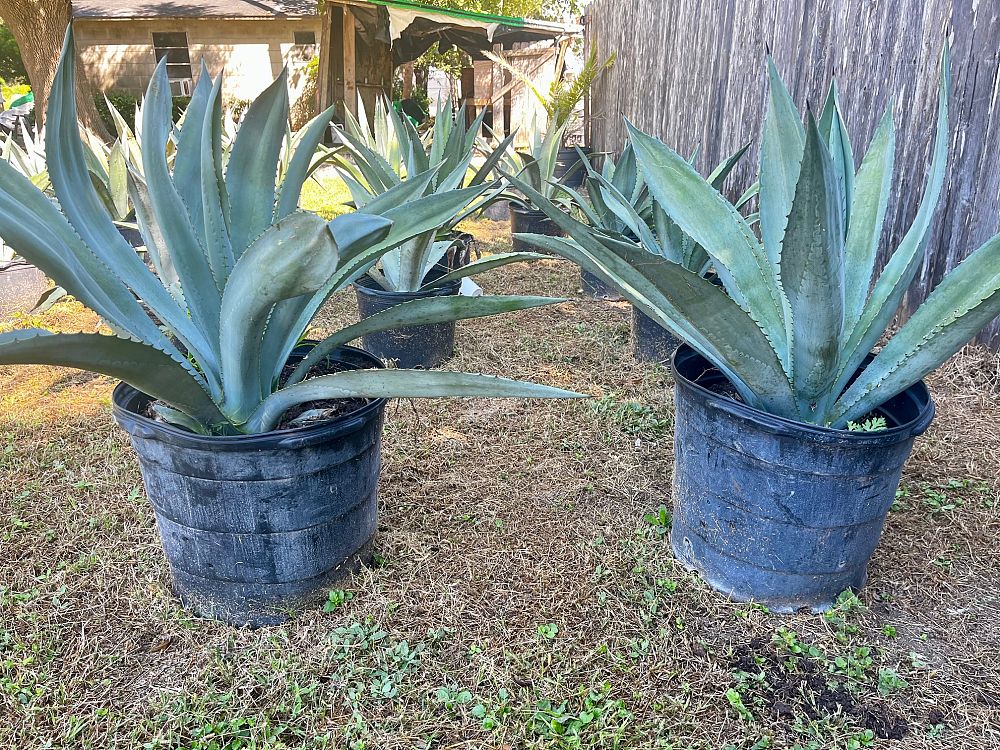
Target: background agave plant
618,203
240,271
799,313
393,153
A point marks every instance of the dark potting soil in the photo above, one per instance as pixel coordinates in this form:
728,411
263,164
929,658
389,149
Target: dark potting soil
809,691
328,409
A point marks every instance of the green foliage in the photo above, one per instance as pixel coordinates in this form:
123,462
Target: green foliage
661,520
799,313
204,335
631,417
566,94
11,65
125,103
122,101
871,424
552,10
548,631
335,599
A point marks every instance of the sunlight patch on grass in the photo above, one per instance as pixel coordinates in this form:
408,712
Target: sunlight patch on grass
326,195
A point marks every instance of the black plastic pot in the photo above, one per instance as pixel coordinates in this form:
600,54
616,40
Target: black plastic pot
568,162
415,346
650,341
523,220
132,236
21,286
777,511
595,287
255,526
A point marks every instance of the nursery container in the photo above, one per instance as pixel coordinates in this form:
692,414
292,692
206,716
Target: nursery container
596,288
415,346
651,342
777,511
530,222
568,163
21,286
254,526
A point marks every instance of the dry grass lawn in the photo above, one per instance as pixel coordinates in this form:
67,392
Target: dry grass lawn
525,595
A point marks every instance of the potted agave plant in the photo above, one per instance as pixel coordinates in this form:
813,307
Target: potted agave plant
618,203
260,455
791,433
392,156
549,163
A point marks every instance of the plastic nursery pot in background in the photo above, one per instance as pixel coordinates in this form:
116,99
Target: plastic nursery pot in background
255,526
776,511
21,286
528,221
415,346
568,162
651,342
594,287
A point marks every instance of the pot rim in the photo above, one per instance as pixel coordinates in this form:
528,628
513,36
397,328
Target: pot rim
918,392
518,208
367,286
298,437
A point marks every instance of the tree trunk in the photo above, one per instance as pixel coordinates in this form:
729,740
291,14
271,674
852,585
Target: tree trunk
39,27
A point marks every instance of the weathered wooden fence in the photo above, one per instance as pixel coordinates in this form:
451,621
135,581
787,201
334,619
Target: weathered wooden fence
692,72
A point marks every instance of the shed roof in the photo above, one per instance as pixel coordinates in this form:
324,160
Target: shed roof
193,8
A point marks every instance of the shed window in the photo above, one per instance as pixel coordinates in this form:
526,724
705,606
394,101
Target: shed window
305,38
173,45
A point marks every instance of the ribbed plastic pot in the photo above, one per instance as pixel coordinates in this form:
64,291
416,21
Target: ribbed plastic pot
651,342
526,221
596,288
411,347
776,511
21,285
255,526
566,159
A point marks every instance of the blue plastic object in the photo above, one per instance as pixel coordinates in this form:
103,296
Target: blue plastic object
781,512
254,526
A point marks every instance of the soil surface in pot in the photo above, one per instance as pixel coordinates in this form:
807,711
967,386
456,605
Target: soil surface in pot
330,408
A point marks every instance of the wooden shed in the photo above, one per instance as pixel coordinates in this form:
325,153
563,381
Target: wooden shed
360,43
368,39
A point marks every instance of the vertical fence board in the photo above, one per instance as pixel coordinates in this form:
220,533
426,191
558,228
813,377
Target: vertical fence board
692,72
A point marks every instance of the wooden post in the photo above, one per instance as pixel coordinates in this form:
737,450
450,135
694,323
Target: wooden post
496,83
407,80
326,76
350,63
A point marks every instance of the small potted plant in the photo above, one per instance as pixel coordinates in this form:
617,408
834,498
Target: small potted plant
618,203
791,432
390,155
260,455
550,162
